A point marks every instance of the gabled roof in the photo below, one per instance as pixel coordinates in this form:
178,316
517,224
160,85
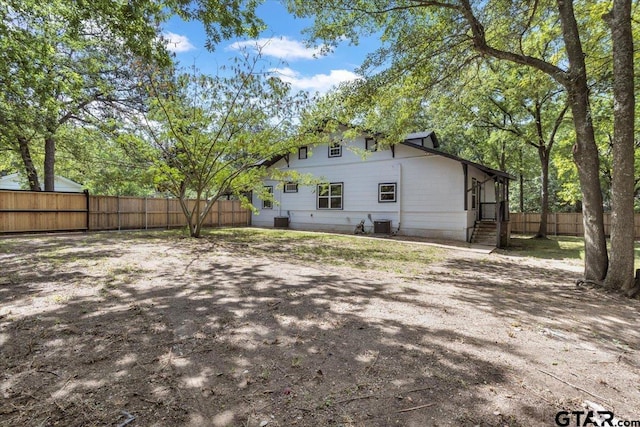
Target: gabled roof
485,169
272,161
434,138
422,135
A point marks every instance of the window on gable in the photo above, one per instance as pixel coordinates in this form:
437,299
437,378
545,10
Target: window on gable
335,150
387,192
302,153
268,204
370,144
330,196
291,187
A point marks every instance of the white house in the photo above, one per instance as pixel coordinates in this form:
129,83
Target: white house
409,189
15,182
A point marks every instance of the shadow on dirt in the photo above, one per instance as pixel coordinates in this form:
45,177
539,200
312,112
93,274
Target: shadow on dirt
203,338
546,298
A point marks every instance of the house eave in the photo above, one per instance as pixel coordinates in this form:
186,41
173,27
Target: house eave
485,169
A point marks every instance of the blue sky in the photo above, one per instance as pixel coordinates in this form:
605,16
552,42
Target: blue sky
283,46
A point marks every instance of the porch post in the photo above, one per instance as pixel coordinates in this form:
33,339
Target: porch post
466,178
502,216
498,212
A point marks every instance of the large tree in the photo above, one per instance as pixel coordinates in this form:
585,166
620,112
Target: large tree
430,40
507,111
56,64
64,61
532,109
210,134
623,178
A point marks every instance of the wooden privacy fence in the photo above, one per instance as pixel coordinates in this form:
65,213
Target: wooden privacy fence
34,211
564,223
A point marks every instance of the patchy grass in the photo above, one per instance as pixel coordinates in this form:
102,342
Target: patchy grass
329,249
555,247
181,331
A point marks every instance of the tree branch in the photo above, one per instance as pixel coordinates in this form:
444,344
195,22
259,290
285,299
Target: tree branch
480,44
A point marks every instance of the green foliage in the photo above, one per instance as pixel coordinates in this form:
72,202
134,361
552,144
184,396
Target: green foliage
554,247
80,62
428,75
105,163
209,134
69,62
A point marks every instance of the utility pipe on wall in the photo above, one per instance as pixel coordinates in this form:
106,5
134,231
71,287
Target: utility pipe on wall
279,199
399,196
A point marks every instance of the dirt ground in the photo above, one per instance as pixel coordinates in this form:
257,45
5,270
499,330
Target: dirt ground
148,329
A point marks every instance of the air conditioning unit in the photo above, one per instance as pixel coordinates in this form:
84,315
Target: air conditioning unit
281,222
382,226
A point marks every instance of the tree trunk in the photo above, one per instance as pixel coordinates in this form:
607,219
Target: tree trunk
585,154
30,169
620,275
585,151
49,162
544,203
197,221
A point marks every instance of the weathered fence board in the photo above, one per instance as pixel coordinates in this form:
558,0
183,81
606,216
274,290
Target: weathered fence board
24,211
563,223
33,211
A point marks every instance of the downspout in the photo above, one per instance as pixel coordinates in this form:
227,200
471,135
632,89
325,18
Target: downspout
399,196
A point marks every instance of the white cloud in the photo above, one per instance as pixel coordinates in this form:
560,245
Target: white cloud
177,43
317,83
281,48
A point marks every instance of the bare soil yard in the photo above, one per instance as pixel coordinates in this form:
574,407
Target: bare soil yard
253,328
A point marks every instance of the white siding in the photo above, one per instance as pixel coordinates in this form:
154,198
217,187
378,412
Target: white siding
430,192
16,182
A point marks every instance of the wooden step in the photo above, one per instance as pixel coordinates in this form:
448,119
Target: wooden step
485,233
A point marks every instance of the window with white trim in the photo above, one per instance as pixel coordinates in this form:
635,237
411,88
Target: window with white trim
330,196
290,187
302,153
268,204
335,150
387,192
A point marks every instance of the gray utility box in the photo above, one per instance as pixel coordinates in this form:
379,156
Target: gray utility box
382,226
281,222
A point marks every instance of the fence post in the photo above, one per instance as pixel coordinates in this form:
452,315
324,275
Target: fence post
219,203
233,213
145,214
118,210
86,194
166,200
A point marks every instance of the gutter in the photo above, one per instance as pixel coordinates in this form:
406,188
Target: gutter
399,196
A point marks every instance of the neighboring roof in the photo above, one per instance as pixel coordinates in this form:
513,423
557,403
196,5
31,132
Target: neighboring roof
14,182
434,138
